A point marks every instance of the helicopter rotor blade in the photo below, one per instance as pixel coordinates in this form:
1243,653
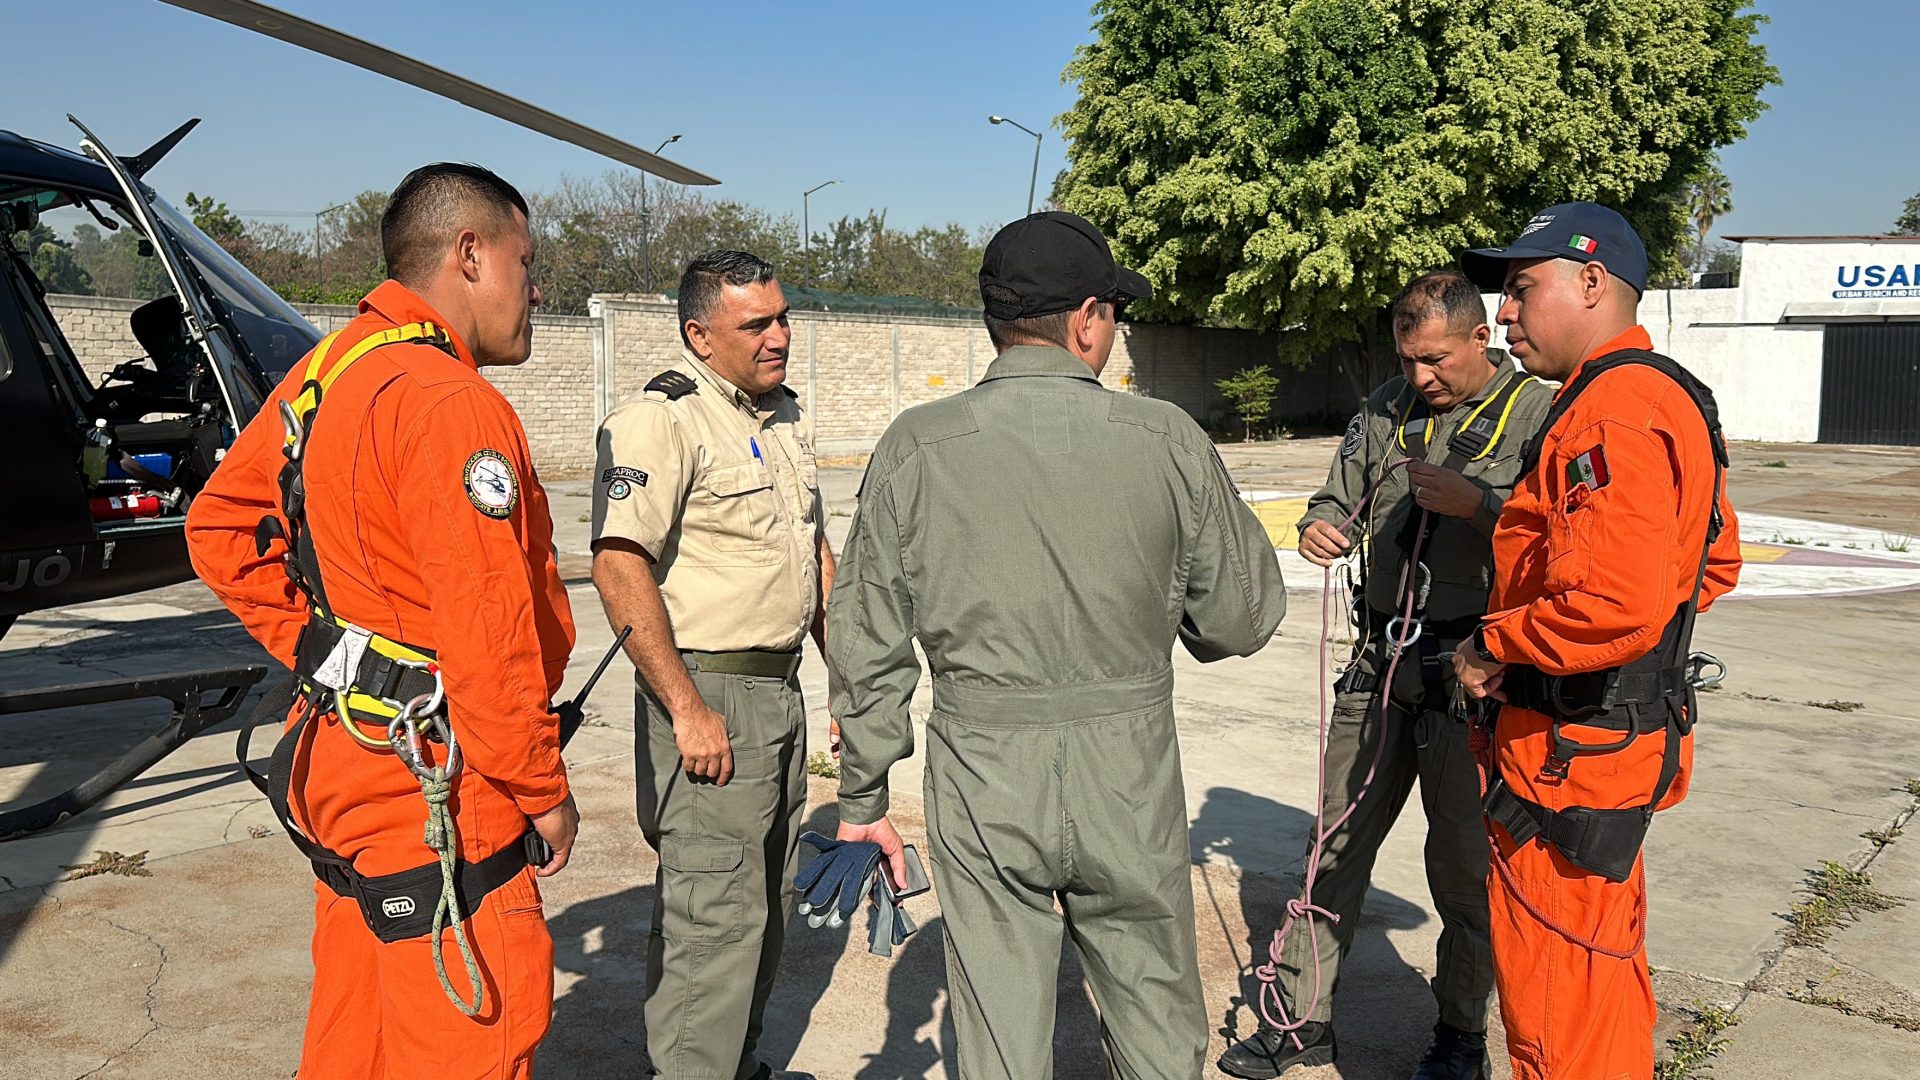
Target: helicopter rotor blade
327,41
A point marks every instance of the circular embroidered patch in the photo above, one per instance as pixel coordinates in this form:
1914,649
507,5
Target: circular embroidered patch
491,486
619,489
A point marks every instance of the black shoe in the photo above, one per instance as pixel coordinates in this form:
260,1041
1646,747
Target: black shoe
1454,1055
1268,1053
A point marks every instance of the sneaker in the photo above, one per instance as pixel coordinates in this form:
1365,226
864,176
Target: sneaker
1267,1053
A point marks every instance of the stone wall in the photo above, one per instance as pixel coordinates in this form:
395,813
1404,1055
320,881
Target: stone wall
854,373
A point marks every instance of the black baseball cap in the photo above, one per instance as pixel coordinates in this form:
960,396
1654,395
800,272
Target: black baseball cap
1050,262
1582,231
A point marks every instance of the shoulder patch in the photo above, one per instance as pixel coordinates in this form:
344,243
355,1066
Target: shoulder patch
1356,436
674,384
621,480
491,485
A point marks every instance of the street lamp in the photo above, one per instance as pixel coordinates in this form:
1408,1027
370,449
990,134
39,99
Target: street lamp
319,261
1035,178
646,225
806,228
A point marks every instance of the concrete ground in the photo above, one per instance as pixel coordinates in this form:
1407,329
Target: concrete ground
200,968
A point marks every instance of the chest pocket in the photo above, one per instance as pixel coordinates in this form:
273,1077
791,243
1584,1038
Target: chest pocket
746,512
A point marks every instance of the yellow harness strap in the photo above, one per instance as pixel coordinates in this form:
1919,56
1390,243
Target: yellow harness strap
1500,428
318,382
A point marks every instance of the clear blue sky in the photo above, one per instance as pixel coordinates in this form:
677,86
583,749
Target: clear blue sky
772,98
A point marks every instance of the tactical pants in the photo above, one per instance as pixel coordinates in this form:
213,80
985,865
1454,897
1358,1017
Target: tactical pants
724,889
1025,813
1433,748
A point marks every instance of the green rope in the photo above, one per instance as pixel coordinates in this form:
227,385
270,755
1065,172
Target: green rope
440,838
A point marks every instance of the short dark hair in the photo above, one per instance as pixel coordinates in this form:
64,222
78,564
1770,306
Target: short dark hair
1034,330
705,276
431,206
1443,294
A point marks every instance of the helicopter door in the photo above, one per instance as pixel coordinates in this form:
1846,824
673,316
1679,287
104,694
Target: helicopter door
236,388
46,500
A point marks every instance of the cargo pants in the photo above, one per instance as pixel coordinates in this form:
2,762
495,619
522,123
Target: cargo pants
1031,803
1433,748
724,889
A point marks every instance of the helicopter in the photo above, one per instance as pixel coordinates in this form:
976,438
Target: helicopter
102,469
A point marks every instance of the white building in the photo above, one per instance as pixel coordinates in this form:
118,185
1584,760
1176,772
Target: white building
1819,343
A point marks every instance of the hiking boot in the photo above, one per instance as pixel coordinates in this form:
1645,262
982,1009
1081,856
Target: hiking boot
1267,1053
1454,1055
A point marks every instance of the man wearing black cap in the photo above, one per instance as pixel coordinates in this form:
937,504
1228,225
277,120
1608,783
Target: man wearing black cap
1047,540
1617,533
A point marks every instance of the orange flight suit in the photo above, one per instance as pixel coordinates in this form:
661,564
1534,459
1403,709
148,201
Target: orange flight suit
406,551
1584,581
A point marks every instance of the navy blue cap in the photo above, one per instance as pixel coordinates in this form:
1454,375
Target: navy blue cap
1582,231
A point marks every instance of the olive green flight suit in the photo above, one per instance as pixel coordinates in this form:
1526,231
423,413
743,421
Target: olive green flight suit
1421,739
1047,540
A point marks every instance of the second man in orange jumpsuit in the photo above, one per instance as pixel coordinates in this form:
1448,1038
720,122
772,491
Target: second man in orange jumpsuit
1615,535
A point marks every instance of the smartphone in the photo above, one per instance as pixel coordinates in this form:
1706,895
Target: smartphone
917,881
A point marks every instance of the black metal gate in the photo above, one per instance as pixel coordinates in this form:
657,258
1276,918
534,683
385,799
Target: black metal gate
1870,384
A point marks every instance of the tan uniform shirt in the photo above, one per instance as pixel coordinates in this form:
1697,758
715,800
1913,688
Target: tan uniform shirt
721,490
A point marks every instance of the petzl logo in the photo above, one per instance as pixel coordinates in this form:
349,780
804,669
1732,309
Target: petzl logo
397,908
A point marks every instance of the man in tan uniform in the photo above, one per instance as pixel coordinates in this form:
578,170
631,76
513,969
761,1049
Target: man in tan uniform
708,542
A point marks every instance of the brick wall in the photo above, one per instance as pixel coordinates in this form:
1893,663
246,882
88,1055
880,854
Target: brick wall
852,372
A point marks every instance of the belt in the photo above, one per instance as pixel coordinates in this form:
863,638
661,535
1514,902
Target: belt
755,662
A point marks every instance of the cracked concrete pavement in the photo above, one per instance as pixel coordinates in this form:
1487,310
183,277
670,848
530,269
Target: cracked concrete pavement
201,969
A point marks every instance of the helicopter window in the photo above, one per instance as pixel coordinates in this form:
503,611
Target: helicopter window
269,327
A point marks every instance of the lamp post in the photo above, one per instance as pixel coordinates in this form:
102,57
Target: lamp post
806,228
646,225
319,260
1034,180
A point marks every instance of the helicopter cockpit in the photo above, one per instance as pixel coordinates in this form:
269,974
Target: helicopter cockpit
148,416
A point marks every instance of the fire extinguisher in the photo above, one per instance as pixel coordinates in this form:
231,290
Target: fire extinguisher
138,504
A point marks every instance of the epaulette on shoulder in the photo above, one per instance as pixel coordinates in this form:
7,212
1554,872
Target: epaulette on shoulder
673,385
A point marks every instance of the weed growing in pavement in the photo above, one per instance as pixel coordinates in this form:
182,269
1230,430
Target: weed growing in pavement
1776,463
1883,837
1781,538
1835,705
1897,543
1836,897
1695,1047
1913,787
1878,1016
821,764
110,862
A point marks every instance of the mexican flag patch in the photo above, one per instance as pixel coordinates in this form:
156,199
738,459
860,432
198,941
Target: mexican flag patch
1586,245
1589,469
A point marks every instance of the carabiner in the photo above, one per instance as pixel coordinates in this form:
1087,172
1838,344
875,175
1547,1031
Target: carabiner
296,432
1393,633
1697,666
435,699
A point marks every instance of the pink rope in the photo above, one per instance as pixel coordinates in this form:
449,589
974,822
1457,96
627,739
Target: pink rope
1272,1002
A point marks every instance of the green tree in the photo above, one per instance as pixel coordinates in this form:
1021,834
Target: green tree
1251,391
1291,165
1908,223
1709,198
218,222
54,263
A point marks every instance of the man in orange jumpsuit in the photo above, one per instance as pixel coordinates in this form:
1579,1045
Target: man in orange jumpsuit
1617,532
428,528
